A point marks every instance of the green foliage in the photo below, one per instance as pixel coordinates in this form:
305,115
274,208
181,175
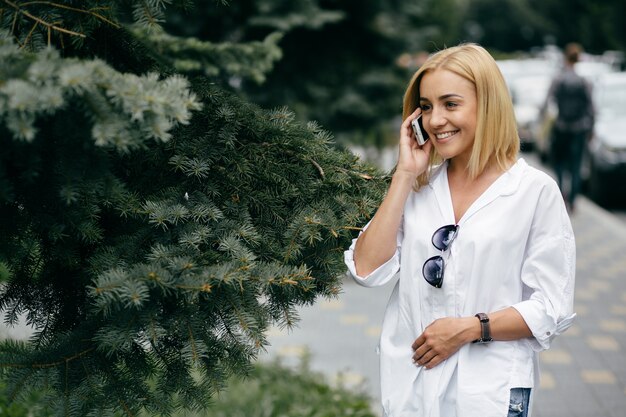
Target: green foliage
598,25
270,390
252,60
126,109
275,391
286,16
150,269
338,57
35,24
506,25
514,25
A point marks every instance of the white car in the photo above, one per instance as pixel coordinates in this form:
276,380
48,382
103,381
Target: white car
528,81
529,94
607,148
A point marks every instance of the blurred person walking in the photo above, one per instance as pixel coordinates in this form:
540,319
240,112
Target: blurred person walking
462,341
573,125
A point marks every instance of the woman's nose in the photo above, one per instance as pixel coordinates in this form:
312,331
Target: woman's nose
437,119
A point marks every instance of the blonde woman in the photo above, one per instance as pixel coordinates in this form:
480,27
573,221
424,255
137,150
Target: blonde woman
482,244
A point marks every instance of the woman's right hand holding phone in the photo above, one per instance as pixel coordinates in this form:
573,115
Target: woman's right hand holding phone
413,158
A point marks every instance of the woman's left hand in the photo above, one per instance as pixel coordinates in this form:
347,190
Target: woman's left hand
442,338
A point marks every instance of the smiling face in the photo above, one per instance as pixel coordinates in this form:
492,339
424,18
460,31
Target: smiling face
466,101
449,108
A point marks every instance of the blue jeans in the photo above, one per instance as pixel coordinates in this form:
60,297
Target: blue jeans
518,404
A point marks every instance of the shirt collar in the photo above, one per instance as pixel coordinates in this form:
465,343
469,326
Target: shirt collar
506,184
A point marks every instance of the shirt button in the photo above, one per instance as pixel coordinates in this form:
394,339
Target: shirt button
548,333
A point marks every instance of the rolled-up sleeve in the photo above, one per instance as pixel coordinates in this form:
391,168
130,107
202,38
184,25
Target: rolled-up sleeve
381,275
548,275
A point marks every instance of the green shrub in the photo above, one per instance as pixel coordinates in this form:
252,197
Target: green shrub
274,390
271,390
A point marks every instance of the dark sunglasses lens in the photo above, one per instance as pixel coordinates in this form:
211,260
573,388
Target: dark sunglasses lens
433,271
444,236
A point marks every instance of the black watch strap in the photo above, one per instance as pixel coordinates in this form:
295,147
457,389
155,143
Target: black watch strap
485,329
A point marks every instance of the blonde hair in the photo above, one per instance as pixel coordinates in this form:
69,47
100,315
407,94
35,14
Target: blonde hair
496,140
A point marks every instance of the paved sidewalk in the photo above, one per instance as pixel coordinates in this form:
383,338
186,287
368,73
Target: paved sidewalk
583,375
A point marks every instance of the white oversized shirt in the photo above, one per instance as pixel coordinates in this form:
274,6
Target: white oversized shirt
515,247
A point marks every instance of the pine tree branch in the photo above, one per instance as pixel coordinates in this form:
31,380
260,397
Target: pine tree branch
43,332
30,33
19,386
319,168
203,288
291,246
14,23
152,19
360,174
47,365
89,12
93,388
43,22
126,409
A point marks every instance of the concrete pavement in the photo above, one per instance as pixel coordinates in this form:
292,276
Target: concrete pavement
583,374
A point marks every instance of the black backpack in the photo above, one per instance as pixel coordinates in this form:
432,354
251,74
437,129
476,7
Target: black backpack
572,97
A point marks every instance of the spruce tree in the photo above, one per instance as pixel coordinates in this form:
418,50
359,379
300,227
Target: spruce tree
153,225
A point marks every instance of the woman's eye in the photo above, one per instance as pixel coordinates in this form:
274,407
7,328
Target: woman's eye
451,104
425,107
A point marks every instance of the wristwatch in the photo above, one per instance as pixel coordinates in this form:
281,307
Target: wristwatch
485,330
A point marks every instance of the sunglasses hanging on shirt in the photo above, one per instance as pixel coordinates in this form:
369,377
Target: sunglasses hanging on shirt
434,267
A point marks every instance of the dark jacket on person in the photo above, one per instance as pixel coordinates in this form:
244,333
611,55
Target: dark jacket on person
573,97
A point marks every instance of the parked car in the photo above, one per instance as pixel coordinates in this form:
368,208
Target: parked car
528,81
529,95
593,70
607,148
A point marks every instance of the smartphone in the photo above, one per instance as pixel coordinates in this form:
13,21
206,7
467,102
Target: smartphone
418,128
